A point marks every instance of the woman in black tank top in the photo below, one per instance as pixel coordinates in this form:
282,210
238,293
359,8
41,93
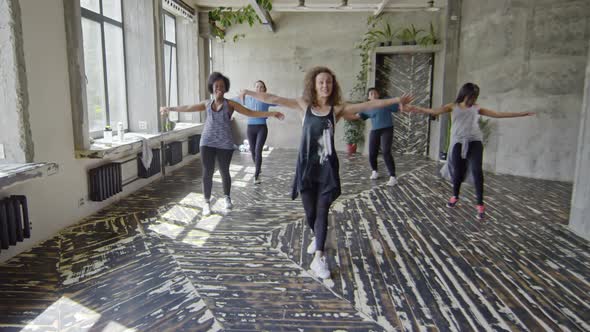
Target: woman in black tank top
317,177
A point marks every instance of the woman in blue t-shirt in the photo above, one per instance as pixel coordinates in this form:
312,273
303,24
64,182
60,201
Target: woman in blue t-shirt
257,129
381,135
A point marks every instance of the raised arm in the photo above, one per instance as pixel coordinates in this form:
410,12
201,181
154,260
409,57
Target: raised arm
268,98
200,107
494,114
253,114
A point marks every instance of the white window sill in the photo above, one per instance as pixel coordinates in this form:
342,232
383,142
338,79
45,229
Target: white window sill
132,144
13,174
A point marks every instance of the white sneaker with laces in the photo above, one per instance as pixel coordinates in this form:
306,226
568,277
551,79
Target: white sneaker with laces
320,267
311,247
228,203
374,175
392,181
206,209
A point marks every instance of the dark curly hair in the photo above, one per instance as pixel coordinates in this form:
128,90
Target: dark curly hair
309,93
214,77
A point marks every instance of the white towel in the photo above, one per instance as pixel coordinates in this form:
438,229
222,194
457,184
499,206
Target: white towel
146,153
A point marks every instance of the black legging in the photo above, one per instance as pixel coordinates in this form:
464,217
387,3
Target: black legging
383,136
208,155
316,208
257,137
475,159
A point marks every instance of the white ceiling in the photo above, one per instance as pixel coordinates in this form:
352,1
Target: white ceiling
329,5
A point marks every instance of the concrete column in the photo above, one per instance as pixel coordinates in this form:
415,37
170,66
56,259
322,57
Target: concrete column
15,135
452,43
72,15
580,210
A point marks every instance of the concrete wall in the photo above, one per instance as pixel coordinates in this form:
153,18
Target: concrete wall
579,220
528,55
302,40
14,120
54,200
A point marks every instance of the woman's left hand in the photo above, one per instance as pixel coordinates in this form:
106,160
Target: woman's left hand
529,113
278,115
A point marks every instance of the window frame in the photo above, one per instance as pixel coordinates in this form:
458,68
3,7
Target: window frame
173,46
101,19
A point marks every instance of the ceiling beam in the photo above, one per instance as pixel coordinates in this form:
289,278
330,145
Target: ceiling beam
263,15
381,7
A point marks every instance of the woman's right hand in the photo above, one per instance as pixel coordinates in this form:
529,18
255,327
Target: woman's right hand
164,110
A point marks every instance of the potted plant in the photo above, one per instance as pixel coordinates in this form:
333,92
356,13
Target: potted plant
409,36
384,36
354,134
430,39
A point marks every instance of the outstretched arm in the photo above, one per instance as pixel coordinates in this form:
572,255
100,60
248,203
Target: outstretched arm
253,114
348,109
432,111
494,114
200,107
268,98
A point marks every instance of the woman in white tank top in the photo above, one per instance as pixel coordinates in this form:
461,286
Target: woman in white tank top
466,147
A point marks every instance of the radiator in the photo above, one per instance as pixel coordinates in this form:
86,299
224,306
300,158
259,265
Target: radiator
14,221
193,144
105,181
155,166
173,153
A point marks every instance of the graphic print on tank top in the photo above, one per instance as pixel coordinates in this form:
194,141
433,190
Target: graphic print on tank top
326,149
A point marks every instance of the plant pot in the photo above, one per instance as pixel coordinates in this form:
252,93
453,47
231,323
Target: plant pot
351,148
405,43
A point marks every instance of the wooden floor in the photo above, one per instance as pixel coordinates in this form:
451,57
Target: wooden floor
400,260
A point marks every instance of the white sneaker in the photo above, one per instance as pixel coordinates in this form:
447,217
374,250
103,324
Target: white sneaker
392,181
320,267
374,175
228,203
206,209
257,180
311,247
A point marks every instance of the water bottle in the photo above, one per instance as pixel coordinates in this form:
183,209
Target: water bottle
120,131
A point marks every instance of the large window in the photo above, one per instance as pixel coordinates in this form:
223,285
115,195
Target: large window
104,59
170,63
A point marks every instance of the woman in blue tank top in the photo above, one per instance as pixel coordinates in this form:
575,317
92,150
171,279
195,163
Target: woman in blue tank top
217,139
257,130
317,177
466,147
381,135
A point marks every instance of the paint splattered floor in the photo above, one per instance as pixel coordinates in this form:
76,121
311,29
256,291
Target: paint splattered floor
399,259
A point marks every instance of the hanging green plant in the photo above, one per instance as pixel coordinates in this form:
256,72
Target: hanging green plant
222,18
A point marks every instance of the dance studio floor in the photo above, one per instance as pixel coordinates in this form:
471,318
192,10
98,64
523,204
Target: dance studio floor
400,260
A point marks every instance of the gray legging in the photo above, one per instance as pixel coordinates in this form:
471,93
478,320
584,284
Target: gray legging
208,156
